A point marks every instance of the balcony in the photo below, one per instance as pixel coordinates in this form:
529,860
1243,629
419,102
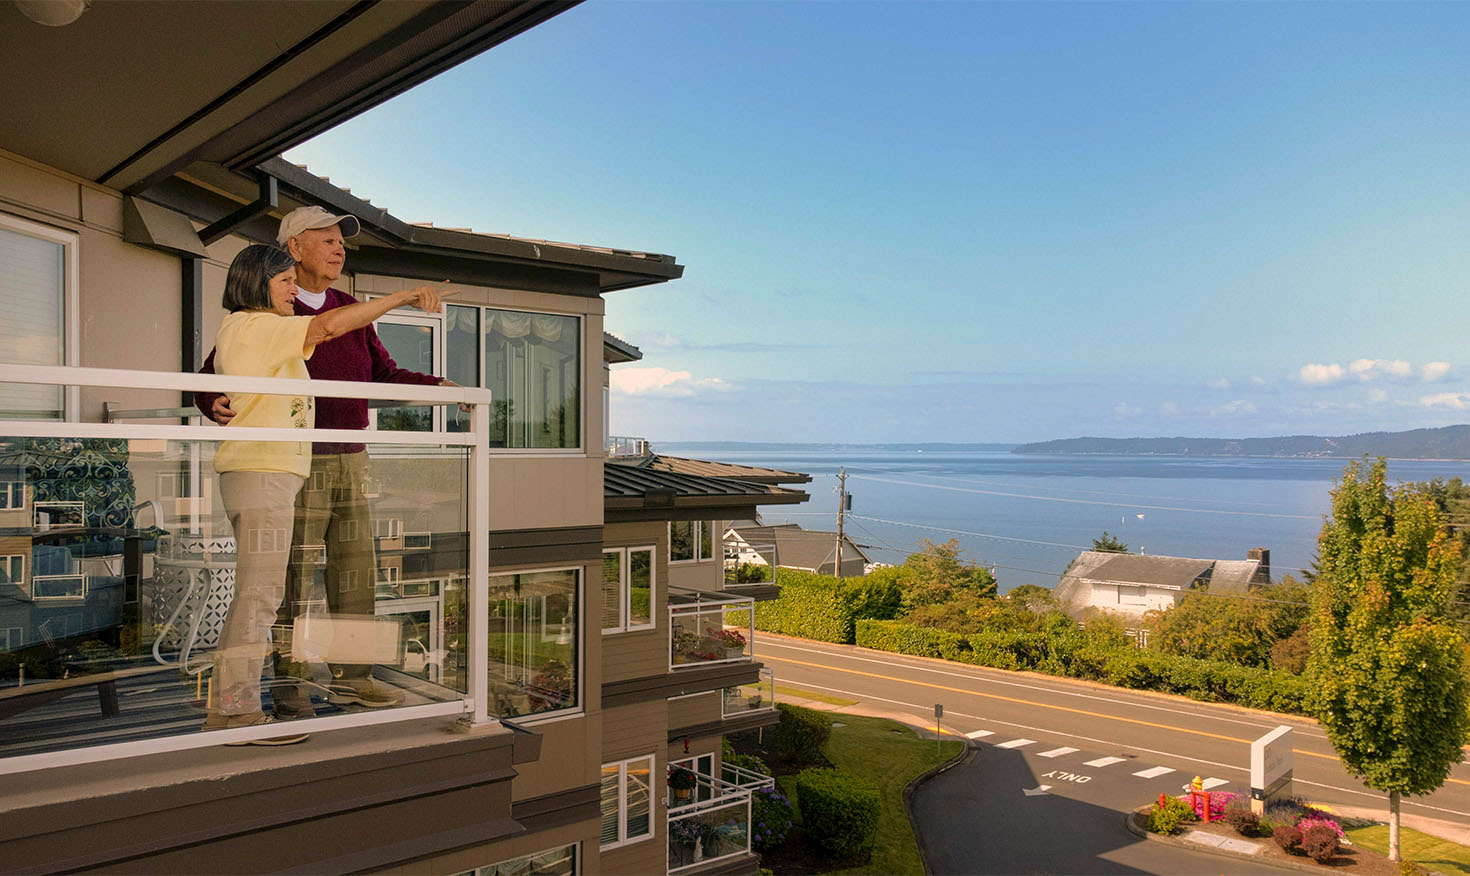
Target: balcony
708,630
751,699
98,607
708,819
625,447
750,568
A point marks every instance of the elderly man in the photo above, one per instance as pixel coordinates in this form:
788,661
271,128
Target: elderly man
331,509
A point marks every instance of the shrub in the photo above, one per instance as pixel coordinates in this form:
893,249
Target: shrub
1219,802
1409,868
1320,842
838,810
1289,837
770,818
1169,817
1245,822
825,608
1311,818
800,733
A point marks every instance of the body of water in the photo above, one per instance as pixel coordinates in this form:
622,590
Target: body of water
1028,516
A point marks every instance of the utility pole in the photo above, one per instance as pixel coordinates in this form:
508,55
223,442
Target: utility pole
841,507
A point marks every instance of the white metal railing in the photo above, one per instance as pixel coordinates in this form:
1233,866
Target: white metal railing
746,698
706,629
618,446
476,442
745,779
748,564
712,826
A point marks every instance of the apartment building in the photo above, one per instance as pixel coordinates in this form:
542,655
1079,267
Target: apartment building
558,626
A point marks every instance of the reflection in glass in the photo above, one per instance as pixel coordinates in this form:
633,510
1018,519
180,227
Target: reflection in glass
533,370
412,347
533,642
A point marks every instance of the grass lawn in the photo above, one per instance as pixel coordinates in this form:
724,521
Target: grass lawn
783,690
1427,851
889,755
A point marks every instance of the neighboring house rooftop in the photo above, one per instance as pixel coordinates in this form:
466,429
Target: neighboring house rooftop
798,548
631,487
615,350
1175,573
750,473
1075,590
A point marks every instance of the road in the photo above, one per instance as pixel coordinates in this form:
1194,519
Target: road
1103,749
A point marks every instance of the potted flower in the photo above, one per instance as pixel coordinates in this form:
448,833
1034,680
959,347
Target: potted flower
732,641
551,688
683,782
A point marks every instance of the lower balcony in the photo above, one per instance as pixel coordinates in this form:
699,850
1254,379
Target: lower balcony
707,630
751,699
709,822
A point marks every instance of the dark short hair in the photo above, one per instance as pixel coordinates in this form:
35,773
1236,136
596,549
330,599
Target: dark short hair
248,284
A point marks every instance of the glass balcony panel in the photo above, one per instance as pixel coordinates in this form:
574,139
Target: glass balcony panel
707,832
118,576
748,564
706,630
745,779
747,698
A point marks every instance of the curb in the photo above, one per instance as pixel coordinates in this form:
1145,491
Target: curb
1288,864
908,794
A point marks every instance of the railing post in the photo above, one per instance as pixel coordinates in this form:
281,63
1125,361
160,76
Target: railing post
478,645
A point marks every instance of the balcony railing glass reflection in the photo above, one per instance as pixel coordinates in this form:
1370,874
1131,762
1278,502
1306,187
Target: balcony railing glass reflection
747,698
705,629
709,822
748,564
123,573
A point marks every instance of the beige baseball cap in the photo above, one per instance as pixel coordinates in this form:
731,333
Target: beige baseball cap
303,218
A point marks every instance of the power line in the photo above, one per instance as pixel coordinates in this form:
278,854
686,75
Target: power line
971,480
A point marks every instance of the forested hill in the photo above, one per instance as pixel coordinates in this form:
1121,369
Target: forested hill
1449,442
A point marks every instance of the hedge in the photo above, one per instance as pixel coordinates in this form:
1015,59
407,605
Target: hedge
1071,653
838,810
800,733
826,608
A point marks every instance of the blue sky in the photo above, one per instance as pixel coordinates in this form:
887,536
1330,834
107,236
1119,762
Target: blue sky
956,221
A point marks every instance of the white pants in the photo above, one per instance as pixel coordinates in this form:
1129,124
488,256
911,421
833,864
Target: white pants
261,506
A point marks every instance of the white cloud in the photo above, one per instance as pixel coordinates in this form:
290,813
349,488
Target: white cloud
1124,411
1258,381
661,381
1320,375
1169,409
1234,408
1220,383
1436,371
1377,395
1371,369
1455,401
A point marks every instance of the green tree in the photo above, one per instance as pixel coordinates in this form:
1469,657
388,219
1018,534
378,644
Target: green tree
1214,628
1387,668
1110,543
935,574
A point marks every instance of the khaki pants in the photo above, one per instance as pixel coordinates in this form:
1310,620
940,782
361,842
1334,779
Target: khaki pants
261,508
332,511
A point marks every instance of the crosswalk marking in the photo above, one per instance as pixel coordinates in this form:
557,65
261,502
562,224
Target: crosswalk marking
1104,761
1016,743
1153,773
1057,752
980,734
1214,783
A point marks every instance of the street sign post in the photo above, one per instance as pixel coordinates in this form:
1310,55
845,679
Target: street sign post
938,713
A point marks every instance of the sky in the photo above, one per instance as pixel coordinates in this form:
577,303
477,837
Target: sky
979,222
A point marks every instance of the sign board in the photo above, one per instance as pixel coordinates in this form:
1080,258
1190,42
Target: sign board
938,710
1271,764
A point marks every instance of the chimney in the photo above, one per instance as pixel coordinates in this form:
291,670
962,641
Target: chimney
1263,572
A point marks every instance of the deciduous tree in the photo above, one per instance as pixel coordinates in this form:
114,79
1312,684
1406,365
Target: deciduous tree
936,574
1387,667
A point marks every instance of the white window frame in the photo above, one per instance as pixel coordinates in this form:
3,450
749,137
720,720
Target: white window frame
625,588
434,322
622,765
10,560
581,592
698,556
12,495
70,243
388,527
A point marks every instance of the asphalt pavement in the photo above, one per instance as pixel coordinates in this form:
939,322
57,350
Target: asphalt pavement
1057,763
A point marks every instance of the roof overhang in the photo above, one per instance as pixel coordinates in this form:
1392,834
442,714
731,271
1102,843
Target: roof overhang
132,92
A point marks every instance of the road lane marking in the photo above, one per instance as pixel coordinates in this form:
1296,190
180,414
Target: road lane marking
1057,752
1209,783
1075,711
1036,791
1105,761
1067,777
923,709
1154,773
980,734
920,663
1016,743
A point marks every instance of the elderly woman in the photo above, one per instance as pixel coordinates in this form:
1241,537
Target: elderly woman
259,480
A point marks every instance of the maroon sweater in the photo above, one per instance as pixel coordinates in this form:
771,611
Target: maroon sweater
357,355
